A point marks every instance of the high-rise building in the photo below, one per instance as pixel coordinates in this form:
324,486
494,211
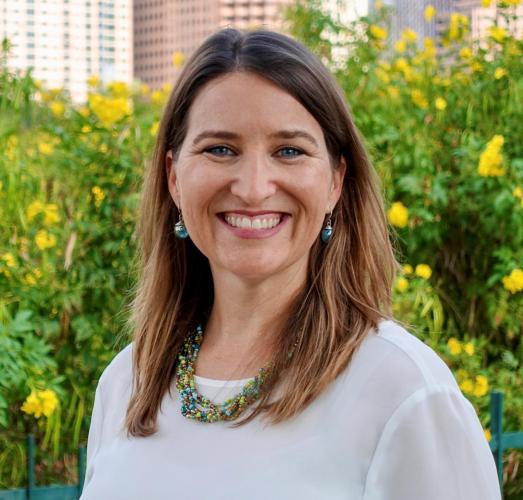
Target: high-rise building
66,41
482,18
163,28
410,14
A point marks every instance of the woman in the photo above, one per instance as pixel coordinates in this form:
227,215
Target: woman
265,362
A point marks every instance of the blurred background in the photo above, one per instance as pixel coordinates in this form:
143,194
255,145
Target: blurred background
436,89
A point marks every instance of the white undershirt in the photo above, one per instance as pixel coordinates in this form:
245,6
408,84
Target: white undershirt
393,426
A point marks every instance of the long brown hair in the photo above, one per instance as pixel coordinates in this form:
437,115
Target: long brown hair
348,289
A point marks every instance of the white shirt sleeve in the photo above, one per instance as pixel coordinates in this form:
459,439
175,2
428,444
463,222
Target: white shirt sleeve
433,447
95,433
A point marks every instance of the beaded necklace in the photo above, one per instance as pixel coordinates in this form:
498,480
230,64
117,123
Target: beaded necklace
197,407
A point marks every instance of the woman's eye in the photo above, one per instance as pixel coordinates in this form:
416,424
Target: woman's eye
290,152
219,150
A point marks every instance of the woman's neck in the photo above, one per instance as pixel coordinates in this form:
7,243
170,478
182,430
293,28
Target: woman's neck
239,335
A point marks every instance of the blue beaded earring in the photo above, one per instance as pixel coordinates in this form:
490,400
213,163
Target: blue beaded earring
179,228
326,232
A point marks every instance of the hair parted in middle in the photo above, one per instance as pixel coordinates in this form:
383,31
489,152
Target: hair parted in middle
349,282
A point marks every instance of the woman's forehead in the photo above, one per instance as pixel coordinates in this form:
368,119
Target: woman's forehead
243,102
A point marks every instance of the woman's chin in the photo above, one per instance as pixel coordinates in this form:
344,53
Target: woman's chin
252,267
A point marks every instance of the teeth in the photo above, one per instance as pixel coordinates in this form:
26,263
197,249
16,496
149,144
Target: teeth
254,223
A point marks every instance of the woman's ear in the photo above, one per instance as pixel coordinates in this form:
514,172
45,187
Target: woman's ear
338,174
170,171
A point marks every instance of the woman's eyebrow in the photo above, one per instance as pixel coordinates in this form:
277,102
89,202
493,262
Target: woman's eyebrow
292,134
215,134
280,134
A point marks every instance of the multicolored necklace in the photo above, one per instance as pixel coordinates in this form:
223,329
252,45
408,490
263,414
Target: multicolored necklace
197,407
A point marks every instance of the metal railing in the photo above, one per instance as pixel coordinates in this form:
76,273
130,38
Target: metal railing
500,440
53,492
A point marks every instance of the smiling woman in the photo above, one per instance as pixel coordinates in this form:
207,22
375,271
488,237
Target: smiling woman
265,362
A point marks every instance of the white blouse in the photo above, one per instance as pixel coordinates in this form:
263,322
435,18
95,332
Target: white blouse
393,426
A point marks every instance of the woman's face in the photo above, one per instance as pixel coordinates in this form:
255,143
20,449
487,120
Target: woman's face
253,177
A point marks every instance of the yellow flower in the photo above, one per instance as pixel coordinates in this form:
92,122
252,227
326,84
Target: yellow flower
491,159
401,63
44,240
86,129
51,214
476,66
118,89
498,33
458,26
423,271
382,75
98,194
178,59
407,269
518,192
398,214
500,73
32,405
40,403
402,284
144,89
440,103
469,348
154,128
429,53
467,386
488,435
34,209
465,53
57,108
393,91
409,35
30,279
378,32
400,46
429,13
157,97
419,99
93,81
11,147
84,111
428,43
45,148
461,375
109,110
481,386
485,3
49,401
514,281
9,259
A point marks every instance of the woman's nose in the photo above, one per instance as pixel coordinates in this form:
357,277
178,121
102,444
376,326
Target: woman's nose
254,181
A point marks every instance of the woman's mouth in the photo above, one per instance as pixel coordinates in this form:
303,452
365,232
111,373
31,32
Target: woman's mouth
258,226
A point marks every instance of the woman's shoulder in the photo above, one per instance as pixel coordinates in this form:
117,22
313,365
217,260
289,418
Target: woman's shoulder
431,368
395,363
118,373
